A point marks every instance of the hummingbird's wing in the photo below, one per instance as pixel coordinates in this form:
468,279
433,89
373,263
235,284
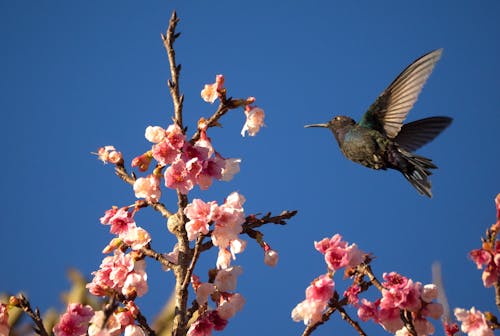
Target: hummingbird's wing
414,135
388,112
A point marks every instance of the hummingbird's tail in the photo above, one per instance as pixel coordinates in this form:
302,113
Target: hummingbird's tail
416,169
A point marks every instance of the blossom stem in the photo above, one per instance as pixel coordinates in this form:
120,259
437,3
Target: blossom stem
366,269
149,252
194,259
347,318
173,83
408,321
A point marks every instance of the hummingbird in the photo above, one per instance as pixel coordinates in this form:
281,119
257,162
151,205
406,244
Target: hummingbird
380,140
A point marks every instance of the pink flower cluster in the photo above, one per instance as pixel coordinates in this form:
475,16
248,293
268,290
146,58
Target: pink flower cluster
254,115
108,154
338,253
473,322
120,273
402,293
122,321
489,255
188,164
227,304
122,223
227,220
75,321
317,296
255,120
4,320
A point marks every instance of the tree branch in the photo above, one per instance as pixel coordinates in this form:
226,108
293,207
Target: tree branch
173,83
149,252
23,303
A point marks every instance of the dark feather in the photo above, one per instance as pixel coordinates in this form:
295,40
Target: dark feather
390,109
420,132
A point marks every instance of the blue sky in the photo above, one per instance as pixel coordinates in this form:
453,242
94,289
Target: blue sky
79,75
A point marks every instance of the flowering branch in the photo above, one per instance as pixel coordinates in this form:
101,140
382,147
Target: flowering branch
122,173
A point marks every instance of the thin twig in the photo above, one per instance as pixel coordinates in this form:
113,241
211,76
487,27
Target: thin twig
23,303
408,321
224,106
366,269
252,222
141,319
194,259
149,252
347,318
173,83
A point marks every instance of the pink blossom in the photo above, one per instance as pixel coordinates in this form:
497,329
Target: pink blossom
231,168
173,256
155,134
119,273
75,321
133,330
108,214
229,223
255,120
109,154
182,175
167,150
394,280
164,153
136,238
4,320
390,319
225,280
450,328
111,328
326,243
205,323
473,322
490,276
309,311
121,221
223,258
368,310
429,292
352,293
407,297
230,305
480,257
434,310
237,246
148,188
271,257
212,169
338,253
203,291
211,91
321,289
200,214
175,136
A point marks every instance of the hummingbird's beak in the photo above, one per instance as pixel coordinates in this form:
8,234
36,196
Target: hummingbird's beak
317,125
